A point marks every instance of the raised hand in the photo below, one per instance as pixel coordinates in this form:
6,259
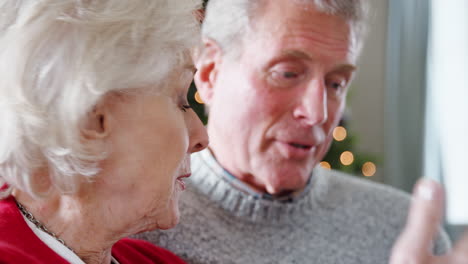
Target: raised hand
415,242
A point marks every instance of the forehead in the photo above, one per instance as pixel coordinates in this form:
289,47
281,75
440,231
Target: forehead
292,27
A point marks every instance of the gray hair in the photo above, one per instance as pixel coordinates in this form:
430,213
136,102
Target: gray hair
58,58
227,21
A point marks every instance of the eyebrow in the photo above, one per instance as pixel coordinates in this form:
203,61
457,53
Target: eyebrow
303,55
190,67
345,67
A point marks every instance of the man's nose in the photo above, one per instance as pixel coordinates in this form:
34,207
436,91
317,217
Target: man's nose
311,108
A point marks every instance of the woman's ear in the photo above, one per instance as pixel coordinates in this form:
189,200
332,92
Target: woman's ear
96,123
207,62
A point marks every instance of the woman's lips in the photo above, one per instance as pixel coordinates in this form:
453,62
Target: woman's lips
180,180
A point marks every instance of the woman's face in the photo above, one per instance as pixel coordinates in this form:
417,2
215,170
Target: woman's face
151,137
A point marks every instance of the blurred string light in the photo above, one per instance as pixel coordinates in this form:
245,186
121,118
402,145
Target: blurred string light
347,158
325,165
369,169
198,98
340,133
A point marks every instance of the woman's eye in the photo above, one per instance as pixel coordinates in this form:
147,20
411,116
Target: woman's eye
185,107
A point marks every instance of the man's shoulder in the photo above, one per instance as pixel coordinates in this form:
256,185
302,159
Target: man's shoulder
341,190
381,202
357,186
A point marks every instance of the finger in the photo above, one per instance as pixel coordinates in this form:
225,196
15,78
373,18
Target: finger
460,251
446,259
425,215
422,225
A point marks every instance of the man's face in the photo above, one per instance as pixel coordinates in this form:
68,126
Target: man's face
273,109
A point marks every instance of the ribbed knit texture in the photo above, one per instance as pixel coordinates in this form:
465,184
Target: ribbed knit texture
337,219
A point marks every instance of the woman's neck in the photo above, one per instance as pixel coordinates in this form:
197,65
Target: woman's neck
77,223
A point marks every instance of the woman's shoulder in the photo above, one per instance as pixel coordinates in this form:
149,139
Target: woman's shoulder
11,254
18,244
138,251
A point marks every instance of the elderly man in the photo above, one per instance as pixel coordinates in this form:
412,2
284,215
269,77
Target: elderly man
275,75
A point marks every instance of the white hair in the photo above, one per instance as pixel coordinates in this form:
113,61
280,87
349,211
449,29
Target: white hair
58,58
227,21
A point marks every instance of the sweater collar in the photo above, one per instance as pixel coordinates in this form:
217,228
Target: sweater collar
210,178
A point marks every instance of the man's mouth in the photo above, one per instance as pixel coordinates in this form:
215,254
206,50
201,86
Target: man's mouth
301,146
296,150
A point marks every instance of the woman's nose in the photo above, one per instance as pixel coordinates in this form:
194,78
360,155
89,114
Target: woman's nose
198,136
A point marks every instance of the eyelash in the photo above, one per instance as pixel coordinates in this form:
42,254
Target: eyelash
186,107
338,86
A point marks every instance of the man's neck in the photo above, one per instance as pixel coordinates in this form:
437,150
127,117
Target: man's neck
247,183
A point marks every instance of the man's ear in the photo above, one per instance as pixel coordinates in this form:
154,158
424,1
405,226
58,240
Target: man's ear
96,123
207,63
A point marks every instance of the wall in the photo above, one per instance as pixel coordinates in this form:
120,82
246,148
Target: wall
366,98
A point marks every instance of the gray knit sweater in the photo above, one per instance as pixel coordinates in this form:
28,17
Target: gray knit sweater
339,219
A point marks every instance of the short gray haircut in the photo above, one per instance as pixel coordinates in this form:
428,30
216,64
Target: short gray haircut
58,58
227,21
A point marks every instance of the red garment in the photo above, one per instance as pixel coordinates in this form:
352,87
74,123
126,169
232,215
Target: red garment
18,244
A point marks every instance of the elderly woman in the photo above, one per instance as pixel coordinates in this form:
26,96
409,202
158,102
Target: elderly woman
95,128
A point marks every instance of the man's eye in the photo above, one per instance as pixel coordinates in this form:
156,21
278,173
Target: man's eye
285,78
290,75
337,85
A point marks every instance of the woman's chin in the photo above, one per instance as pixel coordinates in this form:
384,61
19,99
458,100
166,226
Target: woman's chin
170,223
166,218
171,218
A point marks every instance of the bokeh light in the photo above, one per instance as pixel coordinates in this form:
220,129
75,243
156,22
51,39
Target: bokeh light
325,165
198,98
347,158
340,133
369,169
